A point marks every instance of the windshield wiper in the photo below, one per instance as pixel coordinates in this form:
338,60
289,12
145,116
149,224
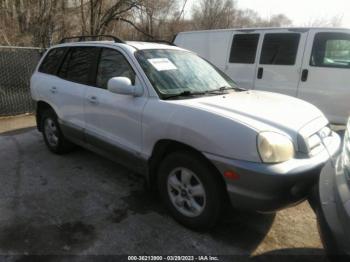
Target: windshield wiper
184,94
214,91
224,88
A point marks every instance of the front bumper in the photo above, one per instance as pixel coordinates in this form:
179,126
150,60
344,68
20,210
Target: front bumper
270,187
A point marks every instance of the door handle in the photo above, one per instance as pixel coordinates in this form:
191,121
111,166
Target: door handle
53,89
260,72
304,75
93,99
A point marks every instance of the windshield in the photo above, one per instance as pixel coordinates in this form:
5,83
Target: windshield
174,72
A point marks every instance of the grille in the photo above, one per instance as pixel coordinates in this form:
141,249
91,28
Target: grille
315,142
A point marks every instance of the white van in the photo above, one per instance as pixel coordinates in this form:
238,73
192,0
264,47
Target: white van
310,63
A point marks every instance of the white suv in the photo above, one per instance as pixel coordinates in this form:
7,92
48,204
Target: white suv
170,115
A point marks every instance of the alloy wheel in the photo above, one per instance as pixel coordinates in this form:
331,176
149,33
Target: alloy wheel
51,132
186,192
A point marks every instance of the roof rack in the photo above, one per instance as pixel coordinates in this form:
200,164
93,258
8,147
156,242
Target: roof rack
159,41
92,37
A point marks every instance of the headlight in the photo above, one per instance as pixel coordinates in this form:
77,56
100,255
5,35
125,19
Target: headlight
274,147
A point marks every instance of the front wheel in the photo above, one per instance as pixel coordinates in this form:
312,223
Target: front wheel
191,190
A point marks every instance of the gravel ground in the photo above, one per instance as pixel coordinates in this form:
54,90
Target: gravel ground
82,204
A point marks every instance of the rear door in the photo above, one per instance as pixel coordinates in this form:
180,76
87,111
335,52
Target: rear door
69,90
326,73
45,81
241,63
280,60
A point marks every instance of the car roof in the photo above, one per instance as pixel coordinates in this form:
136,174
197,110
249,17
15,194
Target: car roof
150,45
135,45
252,29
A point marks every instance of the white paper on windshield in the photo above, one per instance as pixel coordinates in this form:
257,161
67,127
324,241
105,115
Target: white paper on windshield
162,64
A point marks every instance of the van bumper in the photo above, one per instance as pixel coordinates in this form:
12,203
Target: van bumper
270,187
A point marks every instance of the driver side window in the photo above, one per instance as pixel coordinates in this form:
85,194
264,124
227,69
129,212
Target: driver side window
112,64
331,50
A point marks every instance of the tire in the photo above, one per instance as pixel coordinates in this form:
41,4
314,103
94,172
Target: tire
191,190
53,135
328,241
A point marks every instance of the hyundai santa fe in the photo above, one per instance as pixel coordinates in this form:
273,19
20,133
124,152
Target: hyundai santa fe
189,129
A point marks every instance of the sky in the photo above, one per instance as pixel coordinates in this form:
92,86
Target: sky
301,12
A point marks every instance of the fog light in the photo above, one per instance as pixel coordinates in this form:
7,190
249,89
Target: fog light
231,175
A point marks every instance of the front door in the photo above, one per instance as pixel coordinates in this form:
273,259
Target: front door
326,73
113,121
280,59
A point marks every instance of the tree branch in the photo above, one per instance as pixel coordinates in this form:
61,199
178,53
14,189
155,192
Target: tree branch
182,10
133,25
112,16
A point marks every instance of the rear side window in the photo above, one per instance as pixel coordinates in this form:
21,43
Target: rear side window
112,64
331,50
280,49
52,61
79,64
243,49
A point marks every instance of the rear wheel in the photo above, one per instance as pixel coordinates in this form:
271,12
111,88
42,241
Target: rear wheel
52,134
190,189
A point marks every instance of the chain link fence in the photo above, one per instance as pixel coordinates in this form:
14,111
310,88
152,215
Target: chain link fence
16,67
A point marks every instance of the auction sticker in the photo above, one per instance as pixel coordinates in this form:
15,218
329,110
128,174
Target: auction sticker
162,64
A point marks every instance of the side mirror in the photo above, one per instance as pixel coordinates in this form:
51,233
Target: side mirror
123,86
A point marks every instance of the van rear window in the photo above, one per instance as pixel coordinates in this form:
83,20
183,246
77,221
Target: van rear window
243,49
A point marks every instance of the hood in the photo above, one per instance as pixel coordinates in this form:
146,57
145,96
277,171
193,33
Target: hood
263,111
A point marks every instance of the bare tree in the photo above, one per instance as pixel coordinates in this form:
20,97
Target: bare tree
33,22
177,22
279,21
335,21
35,19
97,15
42,22
247,18
211,14
154,16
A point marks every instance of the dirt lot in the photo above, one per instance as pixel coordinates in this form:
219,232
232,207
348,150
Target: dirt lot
81,203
